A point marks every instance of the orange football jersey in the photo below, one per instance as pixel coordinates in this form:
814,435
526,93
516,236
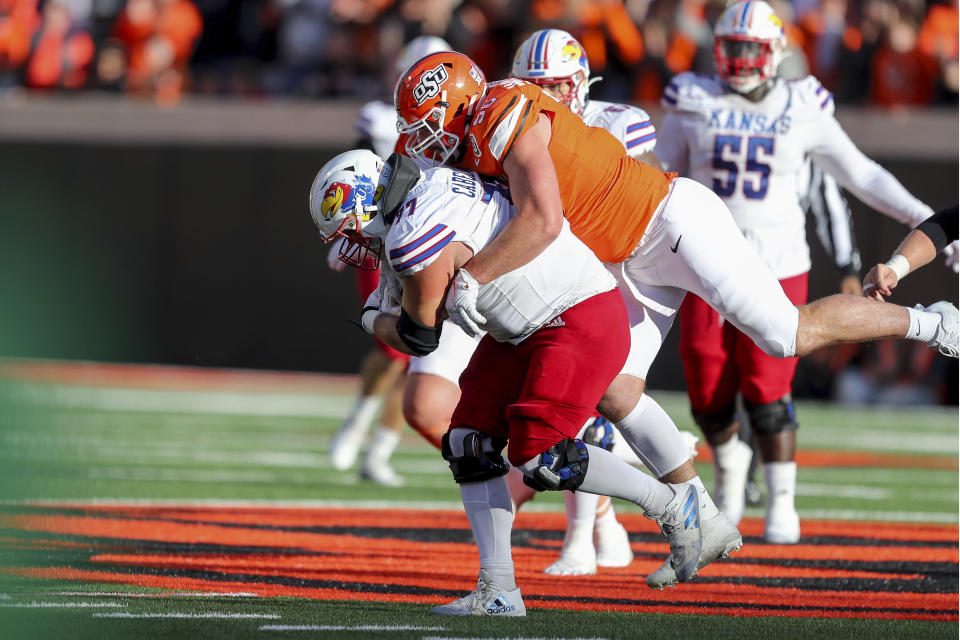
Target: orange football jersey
608,197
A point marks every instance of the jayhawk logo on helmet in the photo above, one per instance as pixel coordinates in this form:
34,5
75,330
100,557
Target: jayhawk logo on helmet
573,51
336,195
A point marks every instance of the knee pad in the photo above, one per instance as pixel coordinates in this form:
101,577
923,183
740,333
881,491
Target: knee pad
715,421
773,417
562,467
599,433
473,456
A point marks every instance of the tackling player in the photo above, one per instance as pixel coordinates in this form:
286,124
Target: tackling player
666,235
556,62
557,334
746,134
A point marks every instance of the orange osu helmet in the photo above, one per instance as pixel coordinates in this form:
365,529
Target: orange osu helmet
435,100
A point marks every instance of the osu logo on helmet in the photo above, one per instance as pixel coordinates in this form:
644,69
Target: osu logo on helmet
336,194
429,85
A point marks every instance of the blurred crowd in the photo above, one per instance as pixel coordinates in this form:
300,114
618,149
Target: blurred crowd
883,52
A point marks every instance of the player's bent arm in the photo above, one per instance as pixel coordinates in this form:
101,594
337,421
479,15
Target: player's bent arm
416,331
871,183
536,195
919,248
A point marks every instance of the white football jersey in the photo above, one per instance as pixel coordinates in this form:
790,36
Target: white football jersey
630,125
377,122
448,205
751,153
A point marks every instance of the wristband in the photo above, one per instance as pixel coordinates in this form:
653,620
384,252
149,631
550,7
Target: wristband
900,266
368,317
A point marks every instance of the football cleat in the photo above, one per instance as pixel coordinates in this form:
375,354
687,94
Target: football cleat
720,539
577,557
680,525
487,600
945,341
612,544
383,474
782,526
345,447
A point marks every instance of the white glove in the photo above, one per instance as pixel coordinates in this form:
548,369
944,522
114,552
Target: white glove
952,256
333,256
386,298
461,303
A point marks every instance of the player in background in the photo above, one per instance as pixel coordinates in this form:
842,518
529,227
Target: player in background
556,62
666,236
382,371
746,134
557,334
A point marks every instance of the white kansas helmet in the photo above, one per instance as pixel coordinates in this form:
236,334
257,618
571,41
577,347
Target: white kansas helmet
748,45
552,56
344,204
417,48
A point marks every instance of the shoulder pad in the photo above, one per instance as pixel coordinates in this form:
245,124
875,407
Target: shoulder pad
811,96
689,91
631,125
420,232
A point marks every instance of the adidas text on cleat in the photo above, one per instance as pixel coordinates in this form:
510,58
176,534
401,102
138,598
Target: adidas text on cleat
945,341
680,524
720,539
487,600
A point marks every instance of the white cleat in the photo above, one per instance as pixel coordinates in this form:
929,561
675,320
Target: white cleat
945,341
731,480
581,561
720,539
487,600
382,474
782,526
577,556
344,448
613,545
680,524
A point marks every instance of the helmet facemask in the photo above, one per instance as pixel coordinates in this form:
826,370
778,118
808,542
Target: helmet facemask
427,138
746,63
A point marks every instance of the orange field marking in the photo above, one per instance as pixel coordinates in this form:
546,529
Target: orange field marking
902,571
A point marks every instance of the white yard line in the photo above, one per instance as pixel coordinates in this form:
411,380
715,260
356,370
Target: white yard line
62,605
339,627
217,616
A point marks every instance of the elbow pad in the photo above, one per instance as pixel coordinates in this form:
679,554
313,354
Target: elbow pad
421,339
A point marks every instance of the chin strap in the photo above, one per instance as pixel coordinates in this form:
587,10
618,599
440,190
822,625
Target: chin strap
404,175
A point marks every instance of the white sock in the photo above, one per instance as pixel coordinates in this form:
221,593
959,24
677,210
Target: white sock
361,416
707,508
923,324
490,512
581,512
654,437
722,452
781,480
382,446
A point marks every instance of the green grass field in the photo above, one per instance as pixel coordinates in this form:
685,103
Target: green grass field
232,441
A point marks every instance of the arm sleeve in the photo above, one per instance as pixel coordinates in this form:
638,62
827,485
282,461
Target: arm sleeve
941,227
671,147
834,223
875,186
